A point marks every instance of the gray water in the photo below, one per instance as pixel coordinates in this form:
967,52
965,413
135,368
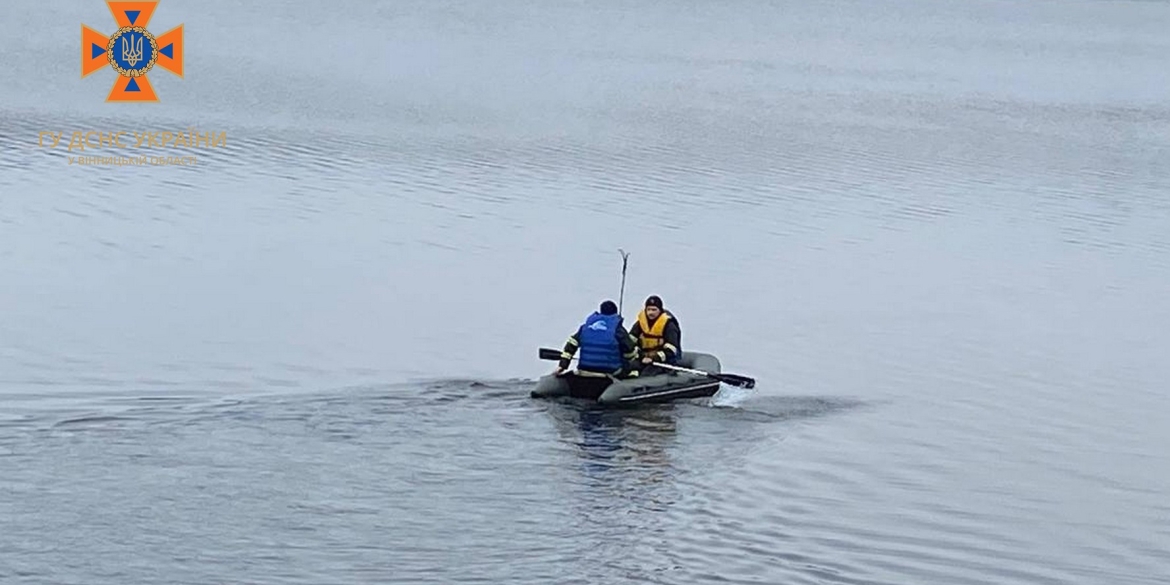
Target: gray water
937,233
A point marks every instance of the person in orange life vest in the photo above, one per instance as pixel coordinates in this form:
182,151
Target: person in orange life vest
607,349
658,333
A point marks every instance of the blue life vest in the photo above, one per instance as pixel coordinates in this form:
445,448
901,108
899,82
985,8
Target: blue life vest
600,351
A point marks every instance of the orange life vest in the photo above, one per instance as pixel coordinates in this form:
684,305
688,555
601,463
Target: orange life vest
651,337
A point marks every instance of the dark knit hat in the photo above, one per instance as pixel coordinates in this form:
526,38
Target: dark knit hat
609,308
654,301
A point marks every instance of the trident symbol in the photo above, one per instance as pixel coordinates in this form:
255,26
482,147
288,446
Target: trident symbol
132,52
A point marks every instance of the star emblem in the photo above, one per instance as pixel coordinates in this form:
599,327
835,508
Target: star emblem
132,51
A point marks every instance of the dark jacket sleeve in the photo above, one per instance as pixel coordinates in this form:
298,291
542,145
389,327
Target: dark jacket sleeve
636,336
636,330
570,349
626,342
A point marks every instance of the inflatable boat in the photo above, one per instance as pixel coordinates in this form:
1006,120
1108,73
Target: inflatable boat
662,386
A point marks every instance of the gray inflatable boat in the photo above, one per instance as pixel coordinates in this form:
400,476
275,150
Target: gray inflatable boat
659,387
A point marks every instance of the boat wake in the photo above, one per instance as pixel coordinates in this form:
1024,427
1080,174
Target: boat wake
730,397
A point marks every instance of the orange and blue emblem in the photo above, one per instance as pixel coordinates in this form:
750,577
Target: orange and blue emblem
132,51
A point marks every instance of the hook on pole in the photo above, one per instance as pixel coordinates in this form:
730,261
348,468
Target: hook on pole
622,294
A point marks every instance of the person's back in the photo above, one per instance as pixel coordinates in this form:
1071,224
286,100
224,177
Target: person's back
605,345
599,343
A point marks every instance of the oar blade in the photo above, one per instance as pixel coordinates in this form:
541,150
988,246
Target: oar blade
735,380
550,354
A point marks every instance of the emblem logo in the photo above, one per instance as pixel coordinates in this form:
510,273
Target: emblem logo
132,51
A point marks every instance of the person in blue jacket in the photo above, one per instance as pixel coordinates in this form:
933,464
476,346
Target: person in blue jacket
606,346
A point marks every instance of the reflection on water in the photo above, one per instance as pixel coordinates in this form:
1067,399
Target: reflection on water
625,482
621,450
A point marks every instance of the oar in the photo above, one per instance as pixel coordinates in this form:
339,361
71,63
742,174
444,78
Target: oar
729,379
551,354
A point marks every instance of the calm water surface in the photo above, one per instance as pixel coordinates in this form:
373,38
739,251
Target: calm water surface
937,233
